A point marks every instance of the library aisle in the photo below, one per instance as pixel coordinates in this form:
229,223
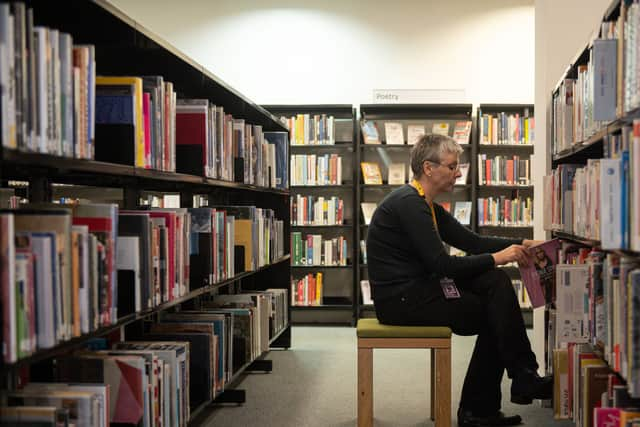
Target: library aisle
314,384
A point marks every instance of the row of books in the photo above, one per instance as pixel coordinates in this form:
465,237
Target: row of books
397,175
461,210
314,249
585,104
312,169
160,377
311,129
307,290
503,128
69,269
316,210
503,170
47,84
599,200
394,132
501,210
52,102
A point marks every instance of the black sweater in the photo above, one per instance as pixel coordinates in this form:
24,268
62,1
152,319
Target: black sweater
404,248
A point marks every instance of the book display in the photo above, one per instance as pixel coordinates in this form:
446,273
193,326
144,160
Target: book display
324,210
145,242
504,202
591,205
384,162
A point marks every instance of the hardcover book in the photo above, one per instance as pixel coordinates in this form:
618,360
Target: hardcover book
397,173
461,132
440,129
539,276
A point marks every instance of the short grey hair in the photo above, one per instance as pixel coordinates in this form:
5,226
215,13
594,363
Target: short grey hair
431,147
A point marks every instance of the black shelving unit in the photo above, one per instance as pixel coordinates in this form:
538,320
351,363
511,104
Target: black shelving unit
339,283
124,47
406,114
509,191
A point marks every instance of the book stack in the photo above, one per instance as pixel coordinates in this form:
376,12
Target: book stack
48,87
501,210
316,210
311,129
314,249
507,129
307,291
315,169
503,170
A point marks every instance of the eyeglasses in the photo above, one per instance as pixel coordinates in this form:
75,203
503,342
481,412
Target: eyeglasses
453,167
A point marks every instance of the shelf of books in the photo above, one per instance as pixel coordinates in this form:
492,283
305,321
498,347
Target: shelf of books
144,224
592,205
323,170
388,133
503,146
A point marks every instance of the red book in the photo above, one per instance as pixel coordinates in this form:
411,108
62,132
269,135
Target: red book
191,137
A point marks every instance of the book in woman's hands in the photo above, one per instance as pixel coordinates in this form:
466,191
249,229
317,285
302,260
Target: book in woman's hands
539,277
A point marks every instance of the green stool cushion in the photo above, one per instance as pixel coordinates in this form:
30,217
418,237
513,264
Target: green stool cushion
371,328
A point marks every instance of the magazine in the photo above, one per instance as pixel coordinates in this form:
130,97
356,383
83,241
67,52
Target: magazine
539,277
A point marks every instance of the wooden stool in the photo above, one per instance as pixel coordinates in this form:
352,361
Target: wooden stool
372,334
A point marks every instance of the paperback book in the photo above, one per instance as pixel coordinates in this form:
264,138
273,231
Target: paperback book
539,276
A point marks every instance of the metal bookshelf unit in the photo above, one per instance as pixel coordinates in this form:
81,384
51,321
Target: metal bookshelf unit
124,47
339,293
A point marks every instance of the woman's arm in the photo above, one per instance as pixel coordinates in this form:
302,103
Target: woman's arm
459,236
417,223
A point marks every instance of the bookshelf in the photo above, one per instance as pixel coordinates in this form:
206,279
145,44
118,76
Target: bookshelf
124,47
337,304
595,136
496,183
384,154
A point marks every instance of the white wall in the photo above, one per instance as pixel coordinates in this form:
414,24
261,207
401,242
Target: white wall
336,51
557,40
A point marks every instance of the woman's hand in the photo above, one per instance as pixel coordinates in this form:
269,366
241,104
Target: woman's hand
518,253
528,243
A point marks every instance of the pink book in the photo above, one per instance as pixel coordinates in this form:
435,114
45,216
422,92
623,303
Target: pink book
606,417
539,277
146,115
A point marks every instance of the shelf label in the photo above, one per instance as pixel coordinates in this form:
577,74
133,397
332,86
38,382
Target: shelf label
418,96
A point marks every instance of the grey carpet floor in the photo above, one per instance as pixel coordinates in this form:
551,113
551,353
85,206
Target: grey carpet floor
314,384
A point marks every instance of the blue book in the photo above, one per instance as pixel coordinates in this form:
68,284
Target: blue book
281,142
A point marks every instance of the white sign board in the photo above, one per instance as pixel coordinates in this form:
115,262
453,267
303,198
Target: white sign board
418,96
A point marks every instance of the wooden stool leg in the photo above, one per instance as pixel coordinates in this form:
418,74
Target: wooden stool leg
365,387
432,379
443,385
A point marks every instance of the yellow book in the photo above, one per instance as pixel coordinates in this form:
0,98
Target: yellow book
137,82
560,384
526,131
627,415
371,173
319,289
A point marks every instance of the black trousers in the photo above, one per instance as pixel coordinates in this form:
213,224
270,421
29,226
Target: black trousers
488,307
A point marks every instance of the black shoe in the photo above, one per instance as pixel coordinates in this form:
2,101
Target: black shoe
528,385
467,419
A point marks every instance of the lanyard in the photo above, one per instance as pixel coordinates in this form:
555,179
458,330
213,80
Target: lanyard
418,187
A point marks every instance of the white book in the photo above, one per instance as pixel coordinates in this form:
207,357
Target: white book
440,128
610,201
42,245
414,133
365,288
83,292
572,318
367,211
464,171
462,212
128,258
394,134
397,174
